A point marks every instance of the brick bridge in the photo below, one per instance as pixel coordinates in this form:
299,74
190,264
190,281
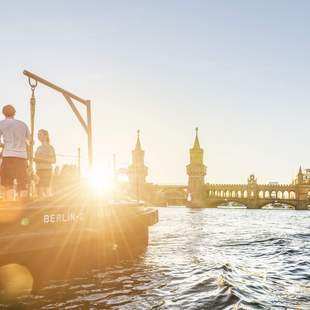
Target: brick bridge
197,193
254,195
251,194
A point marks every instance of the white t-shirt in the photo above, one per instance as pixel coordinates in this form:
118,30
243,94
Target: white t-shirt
15,135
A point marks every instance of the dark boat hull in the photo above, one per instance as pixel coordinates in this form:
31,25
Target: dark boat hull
53,239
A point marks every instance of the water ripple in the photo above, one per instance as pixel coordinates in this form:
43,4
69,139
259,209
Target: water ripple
200,259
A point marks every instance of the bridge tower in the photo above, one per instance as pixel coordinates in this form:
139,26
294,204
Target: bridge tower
303,189
137,171
252,189
300,176
196,170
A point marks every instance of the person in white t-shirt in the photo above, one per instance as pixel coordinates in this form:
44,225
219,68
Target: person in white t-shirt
15,137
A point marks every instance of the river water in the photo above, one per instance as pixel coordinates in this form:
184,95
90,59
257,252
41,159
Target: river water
201,259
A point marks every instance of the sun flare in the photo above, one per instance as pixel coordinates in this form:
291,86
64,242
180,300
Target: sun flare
100,181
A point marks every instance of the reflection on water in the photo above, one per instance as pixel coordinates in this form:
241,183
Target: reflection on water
201,259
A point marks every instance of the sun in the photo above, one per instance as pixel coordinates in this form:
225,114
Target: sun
100,181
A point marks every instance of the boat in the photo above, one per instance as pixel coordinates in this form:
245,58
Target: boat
278,206
231,205
58,236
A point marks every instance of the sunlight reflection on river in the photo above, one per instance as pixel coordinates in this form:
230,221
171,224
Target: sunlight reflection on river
201,259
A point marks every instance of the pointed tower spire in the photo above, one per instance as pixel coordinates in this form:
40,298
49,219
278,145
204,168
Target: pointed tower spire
138,144
196,143
300,176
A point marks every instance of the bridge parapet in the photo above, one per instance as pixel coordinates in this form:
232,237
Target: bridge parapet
251,187
247,185
224,185
277,185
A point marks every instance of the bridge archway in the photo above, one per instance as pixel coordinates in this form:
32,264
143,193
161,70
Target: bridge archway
285,202
292,195
286,195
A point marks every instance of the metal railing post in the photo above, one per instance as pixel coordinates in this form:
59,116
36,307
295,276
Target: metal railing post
89,135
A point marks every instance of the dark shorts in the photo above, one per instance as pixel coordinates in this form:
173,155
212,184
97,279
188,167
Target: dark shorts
14,168
45,177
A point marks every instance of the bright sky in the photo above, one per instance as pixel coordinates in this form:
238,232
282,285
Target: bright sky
239,70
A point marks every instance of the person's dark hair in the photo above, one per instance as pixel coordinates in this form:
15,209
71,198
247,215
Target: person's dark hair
45,133
8,111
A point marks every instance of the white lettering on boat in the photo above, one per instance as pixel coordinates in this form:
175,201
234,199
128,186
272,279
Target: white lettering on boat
62,218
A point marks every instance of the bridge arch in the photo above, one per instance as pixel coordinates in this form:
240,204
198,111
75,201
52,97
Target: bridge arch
285,202
292,195
286,195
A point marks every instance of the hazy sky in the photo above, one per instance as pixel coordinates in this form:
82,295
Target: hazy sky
239,70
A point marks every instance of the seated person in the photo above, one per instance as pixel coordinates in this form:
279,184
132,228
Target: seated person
44,159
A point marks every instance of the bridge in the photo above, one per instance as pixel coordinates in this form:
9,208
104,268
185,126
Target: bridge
198,193
170,194
252,194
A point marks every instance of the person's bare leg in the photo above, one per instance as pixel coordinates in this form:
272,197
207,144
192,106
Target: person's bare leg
9,194
2,191
22,191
